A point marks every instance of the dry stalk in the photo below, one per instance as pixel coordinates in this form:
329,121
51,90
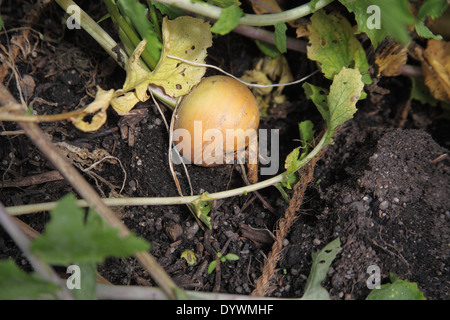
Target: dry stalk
85,190
32,18
263,285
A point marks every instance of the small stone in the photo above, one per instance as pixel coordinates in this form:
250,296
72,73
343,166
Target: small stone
384,205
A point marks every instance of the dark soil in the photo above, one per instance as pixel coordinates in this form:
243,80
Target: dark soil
381,188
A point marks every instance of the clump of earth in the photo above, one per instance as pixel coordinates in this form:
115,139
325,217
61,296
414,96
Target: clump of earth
385,194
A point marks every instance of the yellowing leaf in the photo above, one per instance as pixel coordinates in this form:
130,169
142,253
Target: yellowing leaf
334,46
390,58
267,71
436,69
258,77
186,38
265,6
94,115
345,91
190,257
124,103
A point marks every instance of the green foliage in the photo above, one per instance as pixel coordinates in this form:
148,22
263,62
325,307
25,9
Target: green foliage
268,49
202,207
421,92
17,284
135,14
333,45
319,269
280,37
220,258
397,290
68,238
339,105
293,160
336,107
395,18
431,9
228,20
88,281
171,11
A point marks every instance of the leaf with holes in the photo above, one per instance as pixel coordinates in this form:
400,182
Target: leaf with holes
321,263
94,115
186,38
334,46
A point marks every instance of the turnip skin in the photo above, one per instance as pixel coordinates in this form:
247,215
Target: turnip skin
222,104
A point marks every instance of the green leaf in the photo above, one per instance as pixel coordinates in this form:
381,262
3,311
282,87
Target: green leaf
339,105
225,3
228,20
318,96
268,49
293,160
397,290
171,11
136,13
421,92
68,238
17,284
201,207
312,5
333,45
345,91
306,129
87,275
321,263
280,36
432,9
231,257
423,31
394,18
212,266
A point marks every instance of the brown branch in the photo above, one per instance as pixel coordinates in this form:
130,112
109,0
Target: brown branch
32,180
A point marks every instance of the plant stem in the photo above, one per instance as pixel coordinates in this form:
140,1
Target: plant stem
156,201
110,46
256,20
267,36
117,292
85,190
96,32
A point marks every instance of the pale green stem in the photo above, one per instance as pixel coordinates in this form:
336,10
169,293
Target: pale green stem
154,201
207,10
117,292
110,46
96,32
